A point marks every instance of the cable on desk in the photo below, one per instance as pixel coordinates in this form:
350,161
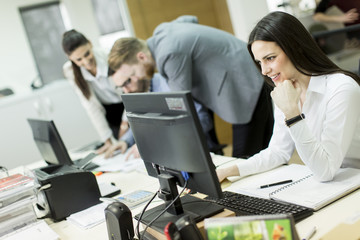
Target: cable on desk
163,211
142,213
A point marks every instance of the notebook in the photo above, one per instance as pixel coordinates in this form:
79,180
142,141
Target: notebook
305,189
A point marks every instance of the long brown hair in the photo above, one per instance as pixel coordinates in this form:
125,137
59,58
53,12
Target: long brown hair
297,43
70,42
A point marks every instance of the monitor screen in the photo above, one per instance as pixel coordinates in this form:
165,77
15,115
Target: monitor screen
172,144
49,142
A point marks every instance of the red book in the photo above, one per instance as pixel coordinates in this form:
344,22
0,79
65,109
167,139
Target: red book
12,181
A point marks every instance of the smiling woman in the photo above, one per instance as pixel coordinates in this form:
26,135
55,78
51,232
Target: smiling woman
307,84
87,70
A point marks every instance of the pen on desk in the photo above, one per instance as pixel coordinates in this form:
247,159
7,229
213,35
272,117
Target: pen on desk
310,234
275,184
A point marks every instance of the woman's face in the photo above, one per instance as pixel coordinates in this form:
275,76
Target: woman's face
273,61
83,57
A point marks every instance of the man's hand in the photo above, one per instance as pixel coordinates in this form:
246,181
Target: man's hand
121,146
105,147
350,16
133,151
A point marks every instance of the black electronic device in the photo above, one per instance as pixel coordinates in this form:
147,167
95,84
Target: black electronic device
67,191
51,146
184,228
244,205
188,229
171,142
119,222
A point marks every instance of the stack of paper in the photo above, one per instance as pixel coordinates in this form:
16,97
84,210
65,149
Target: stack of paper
89,217
118,163
17,195
38,230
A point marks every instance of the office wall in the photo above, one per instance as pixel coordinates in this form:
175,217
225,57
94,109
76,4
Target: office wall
17,66
245,14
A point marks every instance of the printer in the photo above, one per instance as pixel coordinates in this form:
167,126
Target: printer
66,189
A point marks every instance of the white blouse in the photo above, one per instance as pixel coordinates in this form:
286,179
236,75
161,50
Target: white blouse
102,91
328,136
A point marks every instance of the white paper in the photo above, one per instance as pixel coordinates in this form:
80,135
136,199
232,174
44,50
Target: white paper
39,231
292,172
314,194
118,163
89,217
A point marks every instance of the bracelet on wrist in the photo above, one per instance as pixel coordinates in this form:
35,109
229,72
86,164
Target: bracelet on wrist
294,120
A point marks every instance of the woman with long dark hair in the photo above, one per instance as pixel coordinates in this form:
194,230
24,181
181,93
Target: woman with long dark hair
87,70
316,102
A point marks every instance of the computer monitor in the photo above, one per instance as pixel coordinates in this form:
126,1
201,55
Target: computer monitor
53,150
172,145
49,142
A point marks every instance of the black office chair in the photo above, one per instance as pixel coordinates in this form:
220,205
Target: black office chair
334,40
330,41
341,45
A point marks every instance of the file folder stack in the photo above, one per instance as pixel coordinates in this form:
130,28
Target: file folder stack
17,195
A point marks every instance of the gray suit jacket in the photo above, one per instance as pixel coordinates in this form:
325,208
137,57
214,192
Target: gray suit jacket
214,65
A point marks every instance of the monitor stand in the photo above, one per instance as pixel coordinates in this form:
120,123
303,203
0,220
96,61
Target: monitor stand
196,208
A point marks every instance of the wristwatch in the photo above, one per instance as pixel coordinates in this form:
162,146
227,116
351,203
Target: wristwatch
295,119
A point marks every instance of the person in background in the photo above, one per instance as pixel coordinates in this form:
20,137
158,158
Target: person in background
214,65
318,100
87,70
157,84
351,9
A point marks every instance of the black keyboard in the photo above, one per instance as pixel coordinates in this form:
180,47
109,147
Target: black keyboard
244,205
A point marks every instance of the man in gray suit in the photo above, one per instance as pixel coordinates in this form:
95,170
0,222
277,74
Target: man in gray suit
214,65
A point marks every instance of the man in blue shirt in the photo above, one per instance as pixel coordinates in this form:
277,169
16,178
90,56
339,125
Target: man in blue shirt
214,65
159,84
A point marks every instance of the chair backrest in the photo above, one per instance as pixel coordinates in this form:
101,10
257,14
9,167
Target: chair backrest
329,41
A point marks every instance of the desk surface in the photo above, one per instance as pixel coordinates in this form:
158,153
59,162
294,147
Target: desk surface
324,220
